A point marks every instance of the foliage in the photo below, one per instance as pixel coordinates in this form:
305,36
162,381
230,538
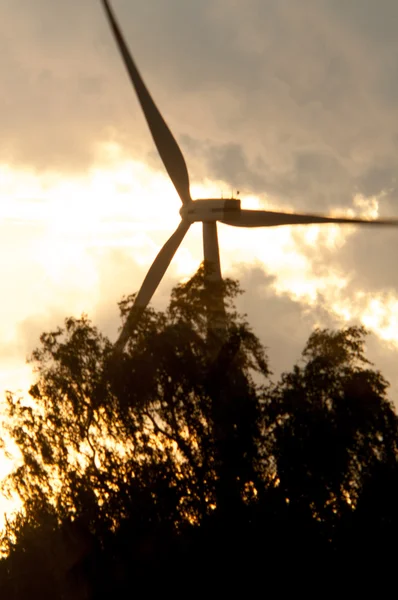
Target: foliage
170,455
332,424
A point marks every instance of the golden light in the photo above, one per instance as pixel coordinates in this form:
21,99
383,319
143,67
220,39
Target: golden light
381,315
59,237
124,204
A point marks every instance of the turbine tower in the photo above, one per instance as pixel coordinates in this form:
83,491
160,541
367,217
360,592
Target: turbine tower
207,211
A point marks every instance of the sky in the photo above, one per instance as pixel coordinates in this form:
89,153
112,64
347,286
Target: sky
294,104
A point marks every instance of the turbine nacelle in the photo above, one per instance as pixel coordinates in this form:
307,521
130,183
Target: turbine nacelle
209,210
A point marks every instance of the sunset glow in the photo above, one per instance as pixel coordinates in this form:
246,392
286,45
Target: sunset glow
58,231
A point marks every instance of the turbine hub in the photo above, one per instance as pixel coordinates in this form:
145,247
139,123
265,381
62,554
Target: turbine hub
209,210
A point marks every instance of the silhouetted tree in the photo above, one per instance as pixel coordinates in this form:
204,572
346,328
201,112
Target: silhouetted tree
176,461
160,439
333,430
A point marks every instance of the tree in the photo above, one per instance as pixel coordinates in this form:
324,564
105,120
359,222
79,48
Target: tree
333,429
162,439
170,456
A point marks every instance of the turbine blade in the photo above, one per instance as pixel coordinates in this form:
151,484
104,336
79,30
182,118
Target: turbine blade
151,282
169,151
265,218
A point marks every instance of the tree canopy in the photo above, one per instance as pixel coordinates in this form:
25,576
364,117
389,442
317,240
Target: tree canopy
170,456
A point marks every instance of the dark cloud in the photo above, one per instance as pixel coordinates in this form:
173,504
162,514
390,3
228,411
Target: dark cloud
293,89
380,176
368,258
227,162
282,324
58,100
375,22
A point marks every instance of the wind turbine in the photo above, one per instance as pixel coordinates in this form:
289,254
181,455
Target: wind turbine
207,211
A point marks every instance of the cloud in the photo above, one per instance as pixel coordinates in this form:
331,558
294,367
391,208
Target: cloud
369,259
294,103
284,326
284,99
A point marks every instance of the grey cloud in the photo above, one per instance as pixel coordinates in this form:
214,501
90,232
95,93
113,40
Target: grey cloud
284,326
226,162
58,99
371,258
380,176
378,22
282,80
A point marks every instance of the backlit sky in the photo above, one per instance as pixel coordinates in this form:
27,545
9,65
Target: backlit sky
293,103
